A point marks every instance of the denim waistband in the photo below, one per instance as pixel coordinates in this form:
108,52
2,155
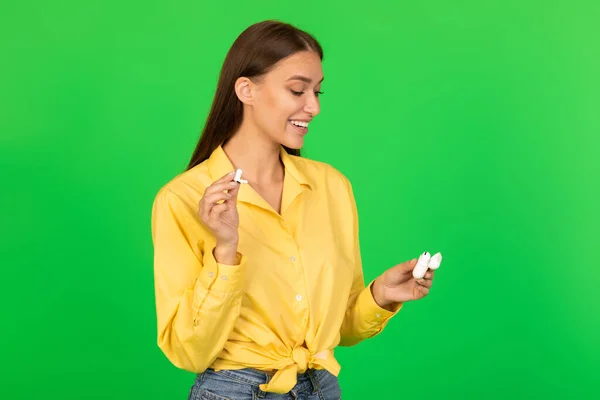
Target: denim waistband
256,377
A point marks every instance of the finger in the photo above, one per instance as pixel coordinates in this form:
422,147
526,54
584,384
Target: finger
424,282
429,275
423,290
217,210
214,194
225,178
204,210
207,204
235,189
220,187
407,266
212,199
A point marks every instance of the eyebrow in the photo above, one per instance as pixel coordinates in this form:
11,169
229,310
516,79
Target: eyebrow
303,79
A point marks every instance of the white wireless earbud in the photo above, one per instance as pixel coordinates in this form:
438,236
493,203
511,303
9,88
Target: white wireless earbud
425,262
435,261
421,267
238,177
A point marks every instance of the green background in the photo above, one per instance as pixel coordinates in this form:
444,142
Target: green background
466,127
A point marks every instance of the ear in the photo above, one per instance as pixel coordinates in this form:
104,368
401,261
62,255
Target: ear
245,90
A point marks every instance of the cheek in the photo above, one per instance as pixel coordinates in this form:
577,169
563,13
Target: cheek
279,107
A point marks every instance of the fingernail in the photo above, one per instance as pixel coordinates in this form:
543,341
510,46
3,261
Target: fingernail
233,183
231,173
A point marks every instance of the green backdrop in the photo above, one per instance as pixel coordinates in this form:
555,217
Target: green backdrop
470,128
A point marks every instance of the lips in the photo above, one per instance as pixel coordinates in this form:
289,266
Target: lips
299,129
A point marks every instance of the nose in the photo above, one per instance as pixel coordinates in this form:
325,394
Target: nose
312,105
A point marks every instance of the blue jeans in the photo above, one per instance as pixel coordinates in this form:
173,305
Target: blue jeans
244,384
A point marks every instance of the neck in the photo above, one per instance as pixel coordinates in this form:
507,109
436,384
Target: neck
256,155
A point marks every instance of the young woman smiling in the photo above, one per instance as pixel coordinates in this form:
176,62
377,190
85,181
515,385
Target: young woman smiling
257,283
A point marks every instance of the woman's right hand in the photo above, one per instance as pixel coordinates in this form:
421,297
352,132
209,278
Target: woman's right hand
222,219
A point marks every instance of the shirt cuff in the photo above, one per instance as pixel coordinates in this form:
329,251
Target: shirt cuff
371,311
222,277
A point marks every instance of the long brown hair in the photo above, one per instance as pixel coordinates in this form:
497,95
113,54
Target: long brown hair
255,51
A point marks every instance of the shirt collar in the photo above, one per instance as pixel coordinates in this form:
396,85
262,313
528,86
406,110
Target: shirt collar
295,179
294,167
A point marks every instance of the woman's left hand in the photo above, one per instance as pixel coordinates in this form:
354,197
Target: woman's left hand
397,285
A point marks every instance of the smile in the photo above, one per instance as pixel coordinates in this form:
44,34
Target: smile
299,126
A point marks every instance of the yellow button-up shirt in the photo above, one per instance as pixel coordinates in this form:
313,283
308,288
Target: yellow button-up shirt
296,292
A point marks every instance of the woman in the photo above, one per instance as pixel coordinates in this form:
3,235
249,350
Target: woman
258,282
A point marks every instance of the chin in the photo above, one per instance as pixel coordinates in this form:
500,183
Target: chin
293,144
293,141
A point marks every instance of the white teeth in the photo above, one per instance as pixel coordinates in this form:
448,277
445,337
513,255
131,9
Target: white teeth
300,123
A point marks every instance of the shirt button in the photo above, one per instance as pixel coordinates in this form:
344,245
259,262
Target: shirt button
378,315
211,274
292,258
298,297
224,277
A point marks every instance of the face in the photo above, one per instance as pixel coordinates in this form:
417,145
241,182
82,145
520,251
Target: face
286,99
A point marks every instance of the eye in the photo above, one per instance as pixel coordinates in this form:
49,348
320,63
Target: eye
317,93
